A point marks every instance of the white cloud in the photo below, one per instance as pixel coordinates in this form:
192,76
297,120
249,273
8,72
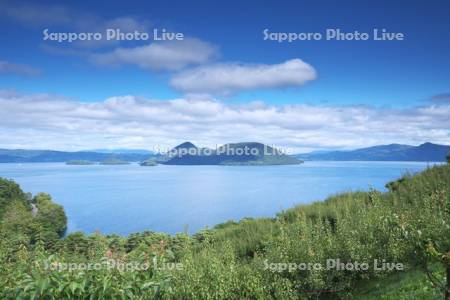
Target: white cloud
90,23
441,98
17,69
171,55
33,14
224,79
49,16
46,121
42,15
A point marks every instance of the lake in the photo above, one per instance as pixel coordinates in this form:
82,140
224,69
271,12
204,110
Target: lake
129,198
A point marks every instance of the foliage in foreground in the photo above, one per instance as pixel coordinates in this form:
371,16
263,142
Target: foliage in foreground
412,284
410,224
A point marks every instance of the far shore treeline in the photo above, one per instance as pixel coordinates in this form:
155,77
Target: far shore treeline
427,152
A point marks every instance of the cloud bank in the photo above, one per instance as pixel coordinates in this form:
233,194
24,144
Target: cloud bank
33,14
229,78
17,69
171,55
441,98
51,122
41,15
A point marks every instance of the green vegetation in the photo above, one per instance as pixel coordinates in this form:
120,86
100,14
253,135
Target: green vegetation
265,161
409,224
394,152
149,163
412,284
25,221
239,154
114,161
80,162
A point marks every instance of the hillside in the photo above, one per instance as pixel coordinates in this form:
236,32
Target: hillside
393,152
251,153
25,156
249,259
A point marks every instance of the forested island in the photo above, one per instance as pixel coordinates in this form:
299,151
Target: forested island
243,154
149,163
114,161
80,163
266,258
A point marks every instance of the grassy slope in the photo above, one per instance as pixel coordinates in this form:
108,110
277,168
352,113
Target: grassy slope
357,226
412,284
250,234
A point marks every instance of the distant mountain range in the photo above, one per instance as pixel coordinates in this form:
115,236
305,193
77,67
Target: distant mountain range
229,154
23,156
124,151
393,152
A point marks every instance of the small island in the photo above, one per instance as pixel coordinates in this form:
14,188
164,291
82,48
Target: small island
80,162
114,161
148,163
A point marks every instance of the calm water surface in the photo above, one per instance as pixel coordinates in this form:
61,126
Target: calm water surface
130,198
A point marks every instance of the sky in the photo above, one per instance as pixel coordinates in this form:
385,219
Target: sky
229,79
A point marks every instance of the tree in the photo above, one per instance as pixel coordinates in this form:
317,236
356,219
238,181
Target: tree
10,192
50,215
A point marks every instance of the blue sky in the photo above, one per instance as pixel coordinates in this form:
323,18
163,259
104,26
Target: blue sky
226,38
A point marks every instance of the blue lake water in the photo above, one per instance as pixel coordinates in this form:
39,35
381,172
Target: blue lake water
129,198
